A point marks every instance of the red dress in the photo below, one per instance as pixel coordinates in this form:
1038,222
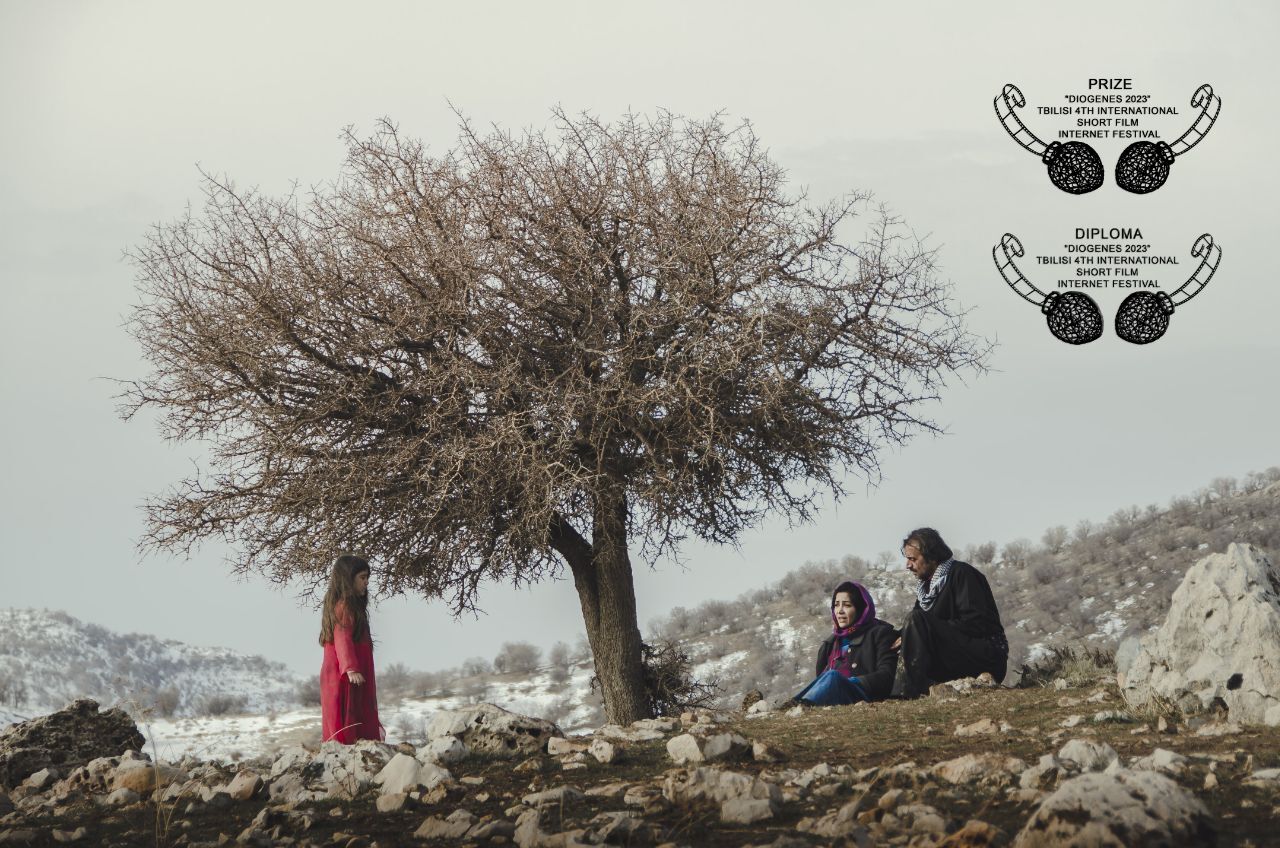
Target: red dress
348,712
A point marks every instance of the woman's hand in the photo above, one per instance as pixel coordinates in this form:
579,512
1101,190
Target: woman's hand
897,643
355,677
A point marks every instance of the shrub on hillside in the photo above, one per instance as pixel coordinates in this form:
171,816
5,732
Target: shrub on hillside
517,657
668,680
1078,666
307,692
221,704
394,679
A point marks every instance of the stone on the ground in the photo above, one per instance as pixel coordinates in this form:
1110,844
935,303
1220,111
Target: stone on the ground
1121,808
620,827
1042,774
713,784
392,803
604,751
444,750
142,777
489,729
64,740
1162,760
724,747
762,752
244,785
121,798
1218,642
685,748
1087,755
337,771
746,810
558,746
41,780
453,826
68,836
982,727
979,768
558,795
974,834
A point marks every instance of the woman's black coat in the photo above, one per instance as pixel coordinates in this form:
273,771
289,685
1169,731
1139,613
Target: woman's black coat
874,663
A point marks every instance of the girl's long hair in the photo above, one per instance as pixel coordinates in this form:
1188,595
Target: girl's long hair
342,589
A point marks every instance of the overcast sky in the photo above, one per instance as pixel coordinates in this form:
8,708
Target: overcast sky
110,109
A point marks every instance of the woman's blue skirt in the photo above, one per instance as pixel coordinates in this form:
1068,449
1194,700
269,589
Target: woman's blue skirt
832,688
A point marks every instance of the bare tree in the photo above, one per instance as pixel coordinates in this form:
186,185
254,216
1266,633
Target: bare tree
531,352
517,656
1054,538
1017,553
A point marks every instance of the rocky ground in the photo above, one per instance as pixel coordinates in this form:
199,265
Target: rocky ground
969,765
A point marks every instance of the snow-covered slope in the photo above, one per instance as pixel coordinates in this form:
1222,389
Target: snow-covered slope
48,658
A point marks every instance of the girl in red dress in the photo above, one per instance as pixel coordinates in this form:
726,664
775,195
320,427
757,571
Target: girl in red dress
348,693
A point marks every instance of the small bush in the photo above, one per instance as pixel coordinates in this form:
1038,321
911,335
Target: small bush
166,701
307,693
1077,666
517,657
394,679
473,666
668,682
217,705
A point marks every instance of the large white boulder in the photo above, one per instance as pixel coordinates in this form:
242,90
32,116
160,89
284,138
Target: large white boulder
1220,640
493,730
1121,808
335,771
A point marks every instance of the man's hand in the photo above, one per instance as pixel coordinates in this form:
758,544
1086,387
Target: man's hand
355,677
897,643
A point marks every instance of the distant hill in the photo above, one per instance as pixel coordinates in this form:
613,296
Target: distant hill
48,658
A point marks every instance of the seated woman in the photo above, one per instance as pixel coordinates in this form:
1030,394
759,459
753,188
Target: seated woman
855,663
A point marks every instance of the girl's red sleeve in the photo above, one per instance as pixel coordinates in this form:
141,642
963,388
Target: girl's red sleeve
343,644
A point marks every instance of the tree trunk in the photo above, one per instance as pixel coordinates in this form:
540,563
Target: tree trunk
607,594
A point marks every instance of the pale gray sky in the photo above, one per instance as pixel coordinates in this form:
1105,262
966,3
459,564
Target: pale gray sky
109,108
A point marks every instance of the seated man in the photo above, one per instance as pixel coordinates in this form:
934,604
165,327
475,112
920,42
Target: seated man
954,629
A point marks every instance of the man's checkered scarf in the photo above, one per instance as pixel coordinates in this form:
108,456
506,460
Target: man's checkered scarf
926,594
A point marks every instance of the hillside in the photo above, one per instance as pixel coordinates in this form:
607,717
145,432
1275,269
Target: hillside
1090,586
49,658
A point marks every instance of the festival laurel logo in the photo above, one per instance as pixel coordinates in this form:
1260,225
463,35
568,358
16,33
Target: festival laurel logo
1074,317
1075,167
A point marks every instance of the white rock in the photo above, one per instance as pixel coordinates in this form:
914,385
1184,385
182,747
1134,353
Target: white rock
726,746
491,729
746,810
399,776
636,732
559,746
713,784
1039,775
1162,759
987,768
604,751
558,795
1087,755
1125,808
443,749
684,748
1220,640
